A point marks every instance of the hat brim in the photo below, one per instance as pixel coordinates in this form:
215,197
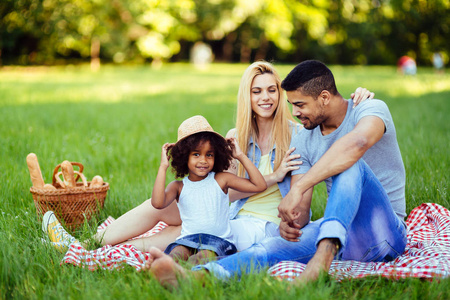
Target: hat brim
201,131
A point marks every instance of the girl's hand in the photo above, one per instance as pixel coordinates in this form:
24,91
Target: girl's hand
360,95
237,152
164,156
289,163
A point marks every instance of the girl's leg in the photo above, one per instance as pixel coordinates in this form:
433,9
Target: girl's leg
202,256
137,221
180,253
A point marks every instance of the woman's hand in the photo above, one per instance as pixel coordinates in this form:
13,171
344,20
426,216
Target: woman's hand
360,95
289,163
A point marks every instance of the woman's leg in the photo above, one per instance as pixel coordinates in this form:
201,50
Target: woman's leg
159,240
138,221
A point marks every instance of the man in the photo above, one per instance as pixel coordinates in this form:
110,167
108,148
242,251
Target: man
355,151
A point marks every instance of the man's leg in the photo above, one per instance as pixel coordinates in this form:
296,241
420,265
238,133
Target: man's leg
363,210
359,219
266,253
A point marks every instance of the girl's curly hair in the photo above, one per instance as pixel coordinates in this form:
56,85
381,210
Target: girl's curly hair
179,153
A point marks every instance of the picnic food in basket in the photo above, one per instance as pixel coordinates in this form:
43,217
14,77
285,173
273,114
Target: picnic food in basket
73,202
67,172
96,181
35,171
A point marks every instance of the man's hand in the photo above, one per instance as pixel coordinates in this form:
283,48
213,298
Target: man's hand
289,208
290,232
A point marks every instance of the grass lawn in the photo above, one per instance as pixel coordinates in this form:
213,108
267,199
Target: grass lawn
115,121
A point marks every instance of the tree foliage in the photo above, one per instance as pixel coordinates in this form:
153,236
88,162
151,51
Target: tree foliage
336,31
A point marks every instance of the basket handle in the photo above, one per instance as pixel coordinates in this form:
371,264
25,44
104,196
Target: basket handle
56,170
63,185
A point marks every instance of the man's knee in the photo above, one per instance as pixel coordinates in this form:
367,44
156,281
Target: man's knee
355,172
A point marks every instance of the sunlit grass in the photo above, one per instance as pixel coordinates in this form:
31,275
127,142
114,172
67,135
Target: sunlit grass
111,85
115,121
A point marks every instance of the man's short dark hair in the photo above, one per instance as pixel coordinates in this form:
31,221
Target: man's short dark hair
310,77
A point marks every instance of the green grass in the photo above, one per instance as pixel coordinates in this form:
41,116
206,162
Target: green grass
115,121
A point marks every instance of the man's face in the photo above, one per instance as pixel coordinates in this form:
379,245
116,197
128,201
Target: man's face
308,110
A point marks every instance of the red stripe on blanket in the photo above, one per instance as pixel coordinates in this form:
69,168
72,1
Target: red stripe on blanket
427,253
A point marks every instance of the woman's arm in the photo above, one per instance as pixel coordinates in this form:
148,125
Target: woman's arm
360,95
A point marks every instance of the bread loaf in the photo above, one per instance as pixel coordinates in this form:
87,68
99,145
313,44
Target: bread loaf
35,171
97,181
68,174
49,186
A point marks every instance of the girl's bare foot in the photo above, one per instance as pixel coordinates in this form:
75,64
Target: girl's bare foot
164,268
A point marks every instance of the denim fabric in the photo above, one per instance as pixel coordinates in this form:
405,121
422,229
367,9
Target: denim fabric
358,213
203,241
255,157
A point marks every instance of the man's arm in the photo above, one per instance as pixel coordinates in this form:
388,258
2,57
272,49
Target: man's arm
291,230
344,153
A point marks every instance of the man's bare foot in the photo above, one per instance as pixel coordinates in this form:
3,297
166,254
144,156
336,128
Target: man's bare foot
320,263
164,268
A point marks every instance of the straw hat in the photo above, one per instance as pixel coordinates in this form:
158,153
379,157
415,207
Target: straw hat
194,125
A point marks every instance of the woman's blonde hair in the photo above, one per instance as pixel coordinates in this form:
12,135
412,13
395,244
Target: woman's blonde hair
246,125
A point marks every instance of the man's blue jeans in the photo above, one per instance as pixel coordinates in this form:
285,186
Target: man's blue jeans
358,213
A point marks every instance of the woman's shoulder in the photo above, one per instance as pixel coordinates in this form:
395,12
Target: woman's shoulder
295,127
231,133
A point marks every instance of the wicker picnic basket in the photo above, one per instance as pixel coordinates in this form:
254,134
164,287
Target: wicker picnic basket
71,205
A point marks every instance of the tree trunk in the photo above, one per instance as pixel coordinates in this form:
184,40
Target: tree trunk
261,52
95,54
228,47
245,54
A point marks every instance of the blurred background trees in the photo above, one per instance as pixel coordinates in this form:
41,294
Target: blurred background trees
335,31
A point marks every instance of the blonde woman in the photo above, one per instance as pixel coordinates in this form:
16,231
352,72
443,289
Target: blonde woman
264,129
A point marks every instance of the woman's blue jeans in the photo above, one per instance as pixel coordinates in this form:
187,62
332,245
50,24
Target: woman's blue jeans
358,213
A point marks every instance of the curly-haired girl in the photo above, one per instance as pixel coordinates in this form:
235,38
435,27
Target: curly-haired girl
202,196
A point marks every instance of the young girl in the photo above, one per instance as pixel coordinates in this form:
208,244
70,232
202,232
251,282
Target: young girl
202,196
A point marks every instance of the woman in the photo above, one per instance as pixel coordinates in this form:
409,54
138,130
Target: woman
264,128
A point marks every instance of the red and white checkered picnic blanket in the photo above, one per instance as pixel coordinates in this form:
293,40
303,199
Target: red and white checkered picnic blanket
427,253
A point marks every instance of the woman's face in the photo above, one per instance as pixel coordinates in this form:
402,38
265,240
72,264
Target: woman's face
264,95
